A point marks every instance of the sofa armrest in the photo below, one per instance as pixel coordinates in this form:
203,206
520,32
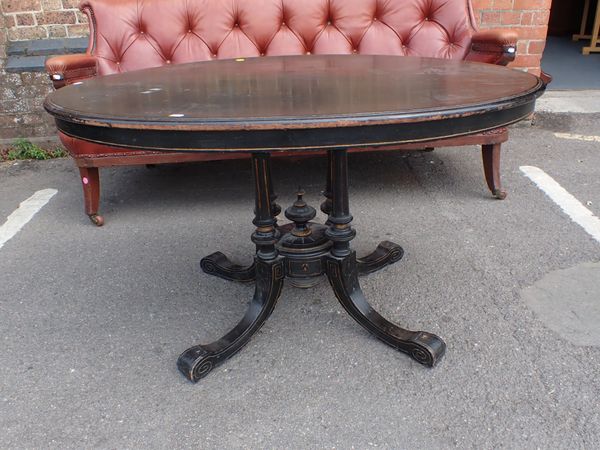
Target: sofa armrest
67,69
493,46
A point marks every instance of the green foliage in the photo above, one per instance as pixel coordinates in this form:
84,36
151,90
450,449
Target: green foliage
58,153
24,149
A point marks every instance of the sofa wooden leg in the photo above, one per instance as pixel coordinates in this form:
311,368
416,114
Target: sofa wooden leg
491,167
90,181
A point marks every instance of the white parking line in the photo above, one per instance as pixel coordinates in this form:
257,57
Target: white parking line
577,137
24,213
569,204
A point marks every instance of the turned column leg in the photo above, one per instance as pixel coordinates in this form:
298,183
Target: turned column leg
197,361
339,232
90,181
217,263
326,205
342,272
275,208
491,166
386,252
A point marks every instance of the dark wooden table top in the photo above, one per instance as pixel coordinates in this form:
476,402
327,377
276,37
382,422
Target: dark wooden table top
295,93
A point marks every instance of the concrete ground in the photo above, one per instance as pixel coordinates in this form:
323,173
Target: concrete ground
570,69
92,319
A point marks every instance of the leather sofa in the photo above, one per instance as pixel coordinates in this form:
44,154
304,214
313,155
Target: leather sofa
136,34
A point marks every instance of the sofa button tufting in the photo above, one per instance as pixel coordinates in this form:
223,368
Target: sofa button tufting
168,61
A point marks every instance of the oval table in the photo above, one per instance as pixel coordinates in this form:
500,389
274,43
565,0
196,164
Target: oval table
297,104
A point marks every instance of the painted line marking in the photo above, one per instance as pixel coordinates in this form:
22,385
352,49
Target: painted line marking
24,213
569,204
577,137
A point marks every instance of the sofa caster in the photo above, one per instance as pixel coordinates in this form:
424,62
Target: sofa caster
500,194
96,219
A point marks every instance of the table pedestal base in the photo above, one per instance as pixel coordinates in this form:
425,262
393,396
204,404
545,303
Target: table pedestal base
302,252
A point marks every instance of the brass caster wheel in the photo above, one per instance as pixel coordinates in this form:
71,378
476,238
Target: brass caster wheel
499,194
97,219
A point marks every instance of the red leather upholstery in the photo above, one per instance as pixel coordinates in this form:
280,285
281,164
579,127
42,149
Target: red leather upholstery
67,69
493,47
136,34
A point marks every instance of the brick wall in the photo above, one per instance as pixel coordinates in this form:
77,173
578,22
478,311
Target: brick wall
529,18
40,19
21,98
21,95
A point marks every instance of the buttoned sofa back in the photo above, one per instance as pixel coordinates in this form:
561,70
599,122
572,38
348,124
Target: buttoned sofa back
135,34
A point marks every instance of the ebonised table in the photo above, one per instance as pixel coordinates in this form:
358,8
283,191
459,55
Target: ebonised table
297,104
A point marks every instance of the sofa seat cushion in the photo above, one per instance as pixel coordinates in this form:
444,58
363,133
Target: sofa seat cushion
137,34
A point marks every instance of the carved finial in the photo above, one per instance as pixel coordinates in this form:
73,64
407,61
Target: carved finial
300,203
300,213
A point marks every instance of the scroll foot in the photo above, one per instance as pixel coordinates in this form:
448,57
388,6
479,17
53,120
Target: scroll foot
423,347
219,265
385,254
197,362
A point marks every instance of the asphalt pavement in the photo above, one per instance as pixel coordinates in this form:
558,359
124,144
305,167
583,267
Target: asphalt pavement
92,319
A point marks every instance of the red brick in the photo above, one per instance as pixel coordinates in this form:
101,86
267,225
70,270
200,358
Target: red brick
56,17
81,18
9,6
530,32
482,4
25,33
8,20
25,20
78,30
527,18
532,4
57,31
510,18
52,5
491,18
536,47
527,60
541,18
503,4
